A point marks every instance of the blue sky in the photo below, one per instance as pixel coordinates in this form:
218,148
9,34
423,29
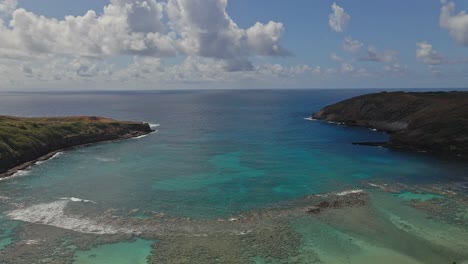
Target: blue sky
232,44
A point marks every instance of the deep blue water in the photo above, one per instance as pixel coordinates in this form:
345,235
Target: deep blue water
216,153
219,154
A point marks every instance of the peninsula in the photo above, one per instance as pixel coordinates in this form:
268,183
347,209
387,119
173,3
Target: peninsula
26,140
422,121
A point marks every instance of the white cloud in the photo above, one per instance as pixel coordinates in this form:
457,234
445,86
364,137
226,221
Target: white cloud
155,28
205,71
335,57
7,6
456,24
143,73
206,30
427,55
348,69
125,27
264,39
396,68
338,19
352,45
372,54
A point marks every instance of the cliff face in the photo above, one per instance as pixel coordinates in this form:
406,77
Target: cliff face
25,139
434,121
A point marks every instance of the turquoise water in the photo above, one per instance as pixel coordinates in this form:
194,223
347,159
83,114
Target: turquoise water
409,196
119,253
218,154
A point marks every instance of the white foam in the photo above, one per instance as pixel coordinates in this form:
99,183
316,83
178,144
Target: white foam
336,123
142,136
348,192
101,159
56,155
153,125
77,200
374,185
31,242
53,214
310,119
19,173
343,193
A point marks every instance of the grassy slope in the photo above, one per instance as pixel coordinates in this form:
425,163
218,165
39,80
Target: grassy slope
26,139
436,121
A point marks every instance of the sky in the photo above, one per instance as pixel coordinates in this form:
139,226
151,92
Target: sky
232,44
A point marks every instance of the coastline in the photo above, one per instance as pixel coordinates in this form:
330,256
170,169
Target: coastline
387,145
431,122
26,166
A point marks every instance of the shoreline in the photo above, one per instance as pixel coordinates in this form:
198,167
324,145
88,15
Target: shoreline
387,145
26,166
429,122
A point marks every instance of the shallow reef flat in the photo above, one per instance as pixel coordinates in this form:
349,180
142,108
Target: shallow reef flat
373,224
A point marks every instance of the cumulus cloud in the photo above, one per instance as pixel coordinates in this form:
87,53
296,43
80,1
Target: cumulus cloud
338,19
125,27
207,30
7,6
427,55
372,54
456,24
195,70
155,28
144,72
352,45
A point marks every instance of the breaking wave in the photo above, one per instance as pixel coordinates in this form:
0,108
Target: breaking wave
77,200
19,173
342,193
53,214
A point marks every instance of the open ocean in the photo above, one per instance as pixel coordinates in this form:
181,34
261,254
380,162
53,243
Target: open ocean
218,156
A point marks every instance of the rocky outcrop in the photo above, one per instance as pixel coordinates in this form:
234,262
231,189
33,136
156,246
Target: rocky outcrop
24,140
431,121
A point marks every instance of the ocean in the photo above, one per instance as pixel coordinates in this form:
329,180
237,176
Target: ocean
226,178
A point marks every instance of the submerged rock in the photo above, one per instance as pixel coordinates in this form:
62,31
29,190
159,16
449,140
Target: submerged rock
351,199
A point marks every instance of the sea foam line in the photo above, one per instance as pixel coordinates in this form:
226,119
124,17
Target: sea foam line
53,214
27,171
18,173
348,192
56,155
342,193
142,136
77,200
310,119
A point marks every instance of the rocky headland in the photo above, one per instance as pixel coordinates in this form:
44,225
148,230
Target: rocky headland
435,122
26,140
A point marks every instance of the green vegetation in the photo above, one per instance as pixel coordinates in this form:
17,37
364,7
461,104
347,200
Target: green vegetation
26,139
431,121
